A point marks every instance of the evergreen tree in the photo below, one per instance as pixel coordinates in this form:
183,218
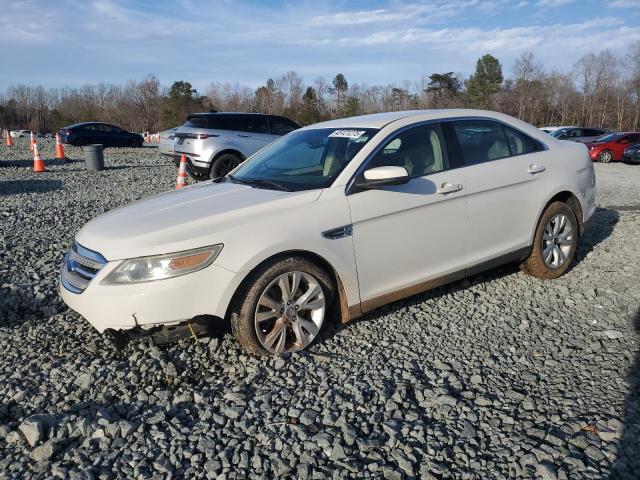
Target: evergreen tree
310,112
485,83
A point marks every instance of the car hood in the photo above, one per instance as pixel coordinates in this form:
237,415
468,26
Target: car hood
179,220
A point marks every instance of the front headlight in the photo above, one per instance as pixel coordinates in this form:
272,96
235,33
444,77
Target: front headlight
158,267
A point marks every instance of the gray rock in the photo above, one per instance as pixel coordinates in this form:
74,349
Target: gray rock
32,429
546,471
84,380
43,452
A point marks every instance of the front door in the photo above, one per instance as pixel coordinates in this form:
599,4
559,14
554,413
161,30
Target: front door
409,237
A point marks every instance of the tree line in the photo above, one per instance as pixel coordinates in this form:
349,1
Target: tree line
601,90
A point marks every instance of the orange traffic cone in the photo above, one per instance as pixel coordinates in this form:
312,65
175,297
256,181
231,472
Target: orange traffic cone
9,139
158,138
182,173
38,163
32,141
59,149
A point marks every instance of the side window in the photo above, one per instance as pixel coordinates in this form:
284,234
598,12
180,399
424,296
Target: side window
480,141
281,125
252,124
594,133
633,138
576,132
519,143
89,128
420,150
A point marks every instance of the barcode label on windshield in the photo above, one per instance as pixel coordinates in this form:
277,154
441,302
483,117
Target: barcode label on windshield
347,133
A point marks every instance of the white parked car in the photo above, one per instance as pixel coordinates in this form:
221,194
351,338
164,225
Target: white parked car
20,133
350,214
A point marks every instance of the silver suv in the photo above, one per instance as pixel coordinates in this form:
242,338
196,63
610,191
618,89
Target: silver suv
215,143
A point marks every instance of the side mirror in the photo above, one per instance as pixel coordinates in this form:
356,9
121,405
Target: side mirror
382,177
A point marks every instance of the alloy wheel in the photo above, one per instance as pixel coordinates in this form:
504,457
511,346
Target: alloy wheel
290,312
557,240
606,157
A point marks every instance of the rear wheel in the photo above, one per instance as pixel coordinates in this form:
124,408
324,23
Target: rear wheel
605,156
223,165
554,243
283,307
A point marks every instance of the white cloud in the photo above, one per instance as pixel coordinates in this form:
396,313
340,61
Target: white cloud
554,3
624,4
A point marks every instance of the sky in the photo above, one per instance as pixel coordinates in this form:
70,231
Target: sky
242,41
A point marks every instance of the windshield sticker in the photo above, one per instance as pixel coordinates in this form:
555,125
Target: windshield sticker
347,133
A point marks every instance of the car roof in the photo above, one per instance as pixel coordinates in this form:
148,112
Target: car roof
204,114
380,120
82,124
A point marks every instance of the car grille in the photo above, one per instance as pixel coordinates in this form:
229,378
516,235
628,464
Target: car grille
80,266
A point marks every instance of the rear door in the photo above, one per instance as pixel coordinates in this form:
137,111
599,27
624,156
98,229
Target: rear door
507,177
252,132
100,134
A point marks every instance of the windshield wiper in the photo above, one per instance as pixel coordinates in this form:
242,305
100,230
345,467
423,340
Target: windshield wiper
258,182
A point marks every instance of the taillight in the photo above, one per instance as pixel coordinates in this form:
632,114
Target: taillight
202,136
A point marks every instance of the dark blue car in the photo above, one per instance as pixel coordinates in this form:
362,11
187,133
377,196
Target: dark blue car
106,134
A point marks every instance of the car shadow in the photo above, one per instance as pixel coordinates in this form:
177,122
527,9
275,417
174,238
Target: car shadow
13,187
599,228
627,463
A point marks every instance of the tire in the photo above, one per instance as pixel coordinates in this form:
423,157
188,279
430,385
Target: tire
556,240
262,296
605,156
223,165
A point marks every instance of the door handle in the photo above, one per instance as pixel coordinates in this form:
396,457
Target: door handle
533,169
447,187
244,136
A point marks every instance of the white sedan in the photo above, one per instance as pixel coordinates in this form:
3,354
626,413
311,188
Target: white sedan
342,216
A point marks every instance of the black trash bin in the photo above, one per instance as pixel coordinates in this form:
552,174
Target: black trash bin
93,157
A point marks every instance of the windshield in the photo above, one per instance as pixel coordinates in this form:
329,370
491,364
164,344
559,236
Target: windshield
611,137
304,159
559,132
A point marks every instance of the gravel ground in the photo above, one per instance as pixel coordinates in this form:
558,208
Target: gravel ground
497,376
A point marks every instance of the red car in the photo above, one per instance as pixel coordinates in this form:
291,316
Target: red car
611,147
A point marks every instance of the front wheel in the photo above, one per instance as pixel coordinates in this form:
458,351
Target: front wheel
223,165
605,156
554,244
283,307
